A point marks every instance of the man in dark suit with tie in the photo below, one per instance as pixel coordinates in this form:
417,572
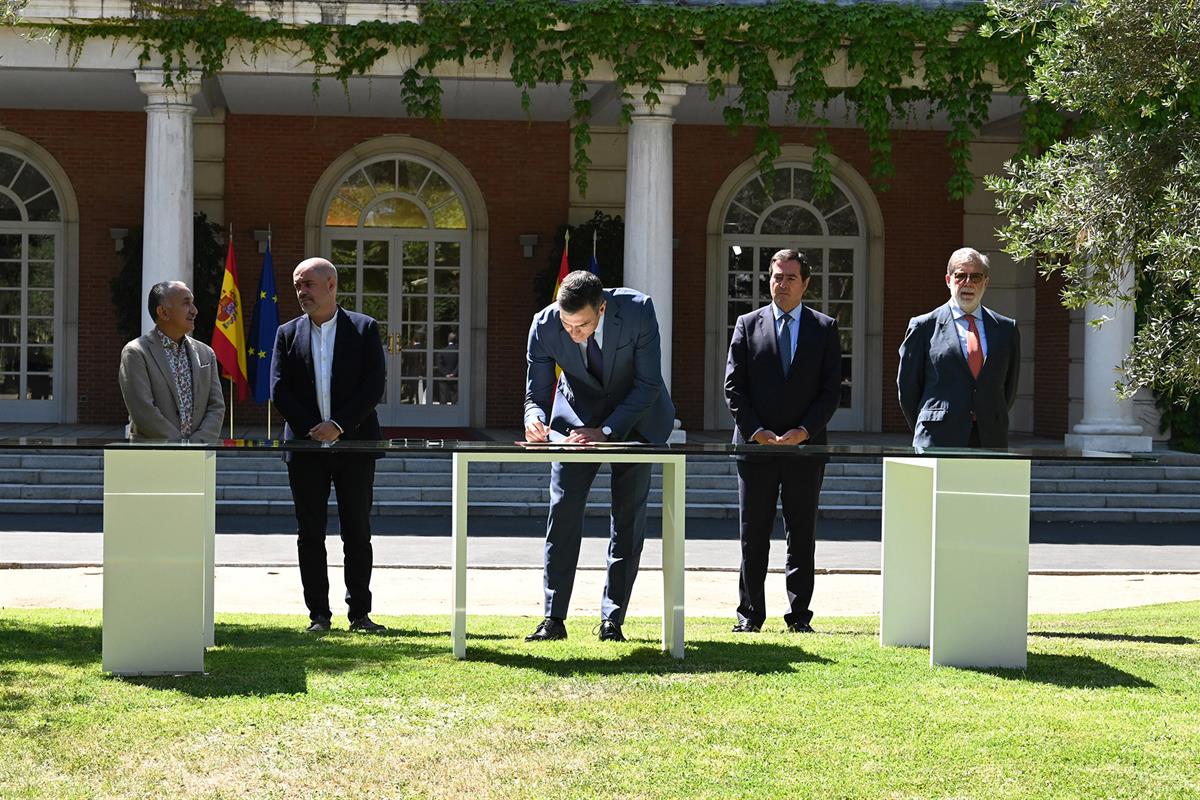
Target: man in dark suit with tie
959,364
782,383
327,376
606,342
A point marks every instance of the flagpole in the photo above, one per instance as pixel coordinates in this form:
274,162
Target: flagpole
595,233
232,388
272,343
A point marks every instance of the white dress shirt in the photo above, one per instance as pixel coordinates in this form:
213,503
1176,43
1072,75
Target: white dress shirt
322,338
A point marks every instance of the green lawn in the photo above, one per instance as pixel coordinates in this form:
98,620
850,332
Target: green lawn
1109,707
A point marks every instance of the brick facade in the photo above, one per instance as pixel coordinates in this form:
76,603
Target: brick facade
103,154
272,164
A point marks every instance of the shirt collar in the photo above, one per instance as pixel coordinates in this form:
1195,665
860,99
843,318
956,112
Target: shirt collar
167,341
779,312
959,313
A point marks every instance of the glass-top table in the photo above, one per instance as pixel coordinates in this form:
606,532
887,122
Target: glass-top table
955,537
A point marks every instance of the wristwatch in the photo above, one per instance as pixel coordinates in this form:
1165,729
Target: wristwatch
606,430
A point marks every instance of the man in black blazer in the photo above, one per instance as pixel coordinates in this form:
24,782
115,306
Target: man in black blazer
959,364
327,376
782,383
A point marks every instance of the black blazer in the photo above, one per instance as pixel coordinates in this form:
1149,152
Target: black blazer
937,392
758,394
356,386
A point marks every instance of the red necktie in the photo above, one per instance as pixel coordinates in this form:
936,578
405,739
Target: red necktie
974,351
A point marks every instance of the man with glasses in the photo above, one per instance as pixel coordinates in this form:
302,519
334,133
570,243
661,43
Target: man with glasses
959,364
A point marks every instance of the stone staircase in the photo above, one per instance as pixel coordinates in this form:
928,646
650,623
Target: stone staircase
71,483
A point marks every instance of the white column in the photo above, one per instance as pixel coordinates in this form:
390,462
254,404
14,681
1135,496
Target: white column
1108,422
650,208
167,216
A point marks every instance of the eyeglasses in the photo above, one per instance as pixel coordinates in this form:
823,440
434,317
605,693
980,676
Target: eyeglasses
969,277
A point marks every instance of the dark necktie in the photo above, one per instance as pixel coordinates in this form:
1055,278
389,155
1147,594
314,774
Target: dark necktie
785,344
595,360
974,351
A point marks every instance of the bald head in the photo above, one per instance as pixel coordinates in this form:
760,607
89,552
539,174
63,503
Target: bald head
315,281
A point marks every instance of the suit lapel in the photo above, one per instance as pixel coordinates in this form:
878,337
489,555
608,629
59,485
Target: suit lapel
342,346
947,338
303,345
769,340
612,335
159,354
197,394
994,335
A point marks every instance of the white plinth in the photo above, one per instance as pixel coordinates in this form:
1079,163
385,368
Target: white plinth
159,525
674,478
956,559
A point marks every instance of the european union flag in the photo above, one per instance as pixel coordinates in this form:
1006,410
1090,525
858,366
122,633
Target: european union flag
262,334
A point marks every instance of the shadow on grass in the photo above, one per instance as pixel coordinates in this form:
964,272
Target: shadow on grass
1114,637
248,660
700,657
1080,672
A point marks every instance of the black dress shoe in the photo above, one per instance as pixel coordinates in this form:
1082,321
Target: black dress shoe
746,626
611,632
318,625
548,630
365,624
799,627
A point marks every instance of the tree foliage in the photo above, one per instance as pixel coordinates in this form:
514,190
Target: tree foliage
1122,192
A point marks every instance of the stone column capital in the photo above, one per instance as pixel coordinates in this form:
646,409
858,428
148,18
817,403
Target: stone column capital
668,97
177,96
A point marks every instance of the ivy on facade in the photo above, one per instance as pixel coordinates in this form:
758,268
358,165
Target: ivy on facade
941,57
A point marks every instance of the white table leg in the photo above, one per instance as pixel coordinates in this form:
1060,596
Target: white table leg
210,547
907,558
158,532
674,480
980,607
458,558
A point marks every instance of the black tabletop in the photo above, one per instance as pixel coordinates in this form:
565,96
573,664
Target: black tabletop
450,446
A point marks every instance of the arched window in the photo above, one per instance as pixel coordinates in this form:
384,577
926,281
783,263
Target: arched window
31,265
397,229
781,210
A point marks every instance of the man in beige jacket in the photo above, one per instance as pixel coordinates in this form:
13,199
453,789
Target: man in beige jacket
170,381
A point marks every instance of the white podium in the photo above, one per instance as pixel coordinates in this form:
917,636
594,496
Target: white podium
159,526
956,559
673,507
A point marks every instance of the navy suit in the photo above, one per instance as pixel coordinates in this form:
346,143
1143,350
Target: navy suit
939,396
356,387
760,396
631,399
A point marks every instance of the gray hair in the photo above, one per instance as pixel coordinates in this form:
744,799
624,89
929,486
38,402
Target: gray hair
968,255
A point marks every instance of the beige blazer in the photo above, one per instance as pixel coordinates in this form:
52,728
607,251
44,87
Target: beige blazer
153,399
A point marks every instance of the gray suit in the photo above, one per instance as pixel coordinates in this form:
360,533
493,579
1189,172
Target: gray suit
937,392
153,398
632,400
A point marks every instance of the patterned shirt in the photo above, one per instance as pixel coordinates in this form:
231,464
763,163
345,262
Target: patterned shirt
181,368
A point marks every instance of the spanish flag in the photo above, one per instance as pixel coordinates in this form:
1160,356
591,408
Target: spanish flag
563,269
228,341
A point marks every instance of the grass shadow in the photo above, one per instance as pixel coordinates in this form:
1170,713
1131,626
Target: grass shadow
700,657
1115,637
1071,671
